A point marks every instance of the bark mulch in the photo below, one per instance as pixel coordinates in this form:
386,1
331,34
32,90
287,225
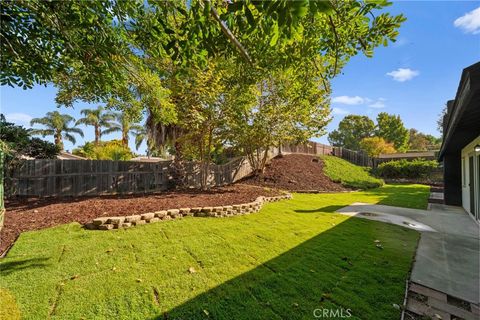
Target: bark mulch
295,172
26,214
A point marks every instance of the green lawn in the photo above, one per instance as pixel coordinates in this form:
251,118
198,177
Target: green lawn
286,261
348,174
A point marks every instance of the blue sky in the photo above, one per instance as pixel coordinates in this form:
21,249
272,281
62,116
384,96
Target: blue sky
413,77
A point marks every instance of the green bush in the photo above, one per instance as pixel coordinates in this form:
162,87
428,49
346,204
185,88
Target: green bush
418,168
104,150
348,174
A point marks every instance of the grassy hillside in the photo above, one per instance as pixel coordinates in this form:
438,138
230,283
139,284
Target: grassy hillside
348,174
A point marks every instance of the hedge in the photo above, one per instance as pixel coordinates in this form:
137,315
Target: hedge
418,168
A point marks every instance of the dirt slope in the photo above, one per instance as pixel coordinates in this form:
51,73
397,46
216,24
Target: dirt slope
295,172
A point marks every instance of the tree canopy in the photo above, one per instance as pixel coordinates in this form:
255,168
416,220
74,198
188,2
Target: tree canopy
18,142
98,118
57,125
351,130
374,146
421,141
390,127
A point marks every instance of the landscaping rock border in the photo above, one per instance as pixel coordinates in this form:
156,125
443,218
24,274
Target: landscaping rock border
110,223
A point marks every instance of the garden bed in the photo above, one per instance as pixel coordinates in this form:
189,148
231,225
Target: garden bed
296,172
26,214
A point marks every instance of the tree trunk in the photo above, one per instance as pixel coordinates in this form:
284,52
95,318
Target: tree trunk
97,134
58,140
125,138
178,168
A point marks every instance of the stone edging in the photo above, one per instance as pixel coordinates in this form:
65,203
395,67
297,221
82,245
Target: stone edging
109,223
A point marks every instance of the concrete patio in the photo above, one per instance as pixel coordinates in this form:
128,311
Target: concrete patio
448,254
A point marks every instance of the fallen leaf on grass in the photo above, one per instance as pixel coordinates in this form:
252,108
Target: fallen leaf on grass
192,270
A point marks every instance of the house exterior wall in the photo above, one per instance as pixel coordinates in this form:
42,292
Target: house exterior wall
452,177
466,153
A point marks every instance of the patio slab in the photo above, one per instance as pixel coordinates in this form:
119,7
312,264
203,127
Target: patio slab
448,254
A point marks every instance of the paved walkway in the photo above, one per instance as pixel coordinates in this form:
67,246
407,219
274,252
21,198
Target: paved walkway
448,254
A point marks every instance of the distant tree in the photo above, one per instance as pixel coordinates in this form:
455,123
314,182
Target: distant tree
351,130
58,126
390,127
18,142
440,119
97,118
421,142
374,146
123,124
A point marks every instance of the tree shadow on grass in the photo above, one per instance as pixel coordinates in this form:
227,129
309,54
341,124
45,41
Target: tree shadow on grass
14,266
322,209
340,268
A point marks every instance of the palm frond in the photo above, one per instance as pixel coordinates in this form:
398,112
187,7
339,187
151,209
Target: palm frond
43,121
70,137
74,130
112,129
139,140
42,132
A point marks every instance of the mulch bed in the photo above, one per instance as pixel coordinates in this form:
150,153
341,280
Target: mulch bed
26,214
296,172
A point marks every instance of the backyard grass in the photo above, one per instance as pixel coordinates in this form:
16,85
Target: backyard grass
349,175
286,261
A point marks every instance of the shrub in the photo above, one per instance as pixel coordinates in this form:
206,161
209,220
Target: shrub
418,168
104,150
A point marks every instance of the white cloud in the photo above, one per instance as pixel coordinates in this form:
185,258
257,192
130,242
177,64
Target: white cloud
339,111
403,74
378,104
21,118
469,22
348,100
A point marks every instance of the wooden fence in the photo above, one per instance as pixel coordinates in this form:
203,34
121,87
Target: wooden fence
356,157
44,177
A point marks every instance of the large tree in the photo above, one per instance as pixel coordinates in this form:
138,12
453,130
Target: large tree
351,130
390,127
98,118
288,106
57,125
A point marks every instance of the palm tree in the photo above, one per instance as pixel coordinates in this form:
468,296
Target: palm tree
97,118
58,126
124,125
